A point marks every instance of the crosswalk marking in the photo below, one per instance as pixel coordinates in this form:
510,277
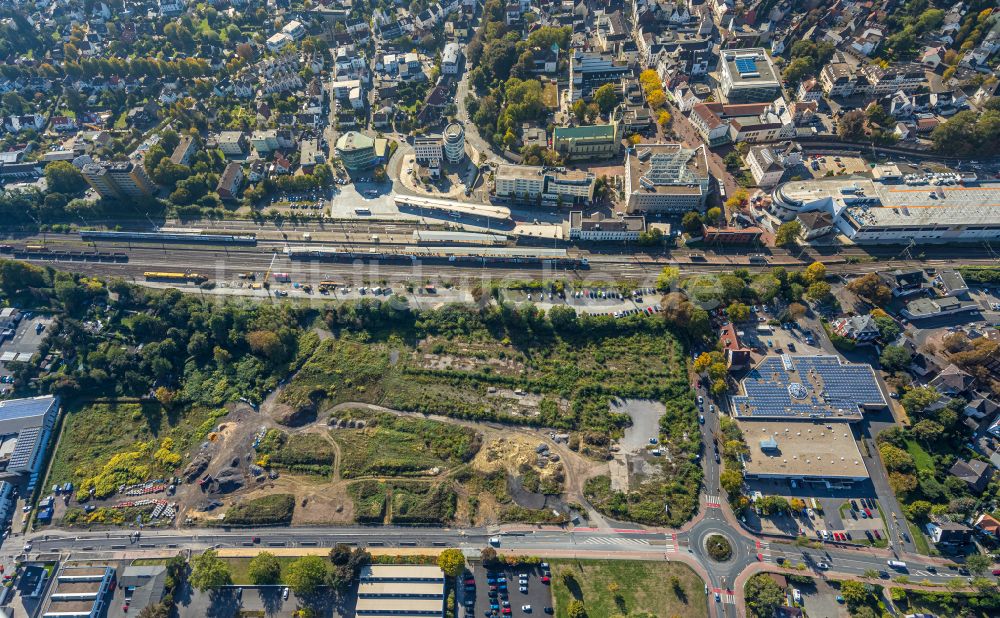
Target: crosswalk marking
592,540
712,501
671,543
725,596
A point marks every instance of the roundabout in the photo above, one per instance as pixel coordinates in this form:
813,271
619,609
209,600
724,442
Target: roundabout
718,547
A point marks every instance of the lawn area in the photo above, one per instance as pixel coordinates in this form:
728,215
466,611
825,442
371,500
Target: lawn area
238,567
643,587
114,444
921,457
919,539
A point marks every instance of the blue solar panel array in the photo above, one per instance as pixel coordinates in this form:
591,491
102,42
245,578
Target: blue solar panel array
830,385
746,65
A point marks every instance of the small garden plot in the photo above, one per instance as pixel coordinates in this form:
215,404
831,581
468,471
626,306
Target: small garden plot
308,453
392,445
263,511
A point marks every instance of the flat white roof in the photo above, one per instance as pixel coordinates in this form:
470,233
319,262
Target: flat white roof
873,203
401,571
801,449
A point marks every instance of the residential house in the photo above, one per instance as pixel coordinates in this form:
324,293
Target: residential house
952,381
988,525
949,534
815,223
857,328
737,355
981,408
975,473
229,181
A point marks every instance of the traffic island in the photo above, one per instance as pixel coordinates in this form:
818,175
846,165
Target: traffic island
718,547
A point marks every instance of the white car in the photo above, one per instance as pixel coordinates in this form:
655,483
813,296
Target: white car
526,609
27,547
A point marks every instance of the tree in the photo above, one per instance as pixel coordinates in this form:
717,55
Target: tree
452,562
656,99
901,483
347,564
664,118
63,177
895,458
978,564
797,69
209,571
606,97
871,287
916,400
815,272
738,312
788,233
731,481
692,223
894,358
713,216
576,609
306,575
854,593
264,569
918,510
819,292
488,556
852,126
667,278
763,595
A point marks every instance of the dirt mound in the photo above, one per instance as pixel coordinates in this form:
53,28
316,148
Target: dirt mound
517,457
293,416
196,467
227,481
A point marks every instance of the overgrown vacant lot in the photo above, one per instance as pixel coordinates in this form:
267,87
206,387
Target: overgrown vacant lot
459,363
390,445
309,453
656,588
106,445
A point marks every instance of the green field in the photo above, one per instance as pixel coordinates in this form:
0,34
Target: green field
921,458
302,452
263,511
642,587
390,445
111,444
239,568
455,373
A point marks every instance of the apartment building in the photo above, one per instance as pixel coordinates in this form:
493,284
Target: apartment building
119,179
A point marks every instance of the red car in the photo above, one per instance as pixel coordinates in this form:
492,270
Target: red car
996,571
470,580
877,535
545,579
506,610
868,512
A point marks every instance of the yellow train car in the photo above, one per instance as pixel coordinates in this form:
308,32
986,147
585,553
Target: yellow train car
174,276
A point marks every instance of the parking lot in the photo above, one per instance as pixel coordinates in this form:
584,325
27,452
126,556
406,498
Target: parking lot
509,591
828,519
24,342
820,165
